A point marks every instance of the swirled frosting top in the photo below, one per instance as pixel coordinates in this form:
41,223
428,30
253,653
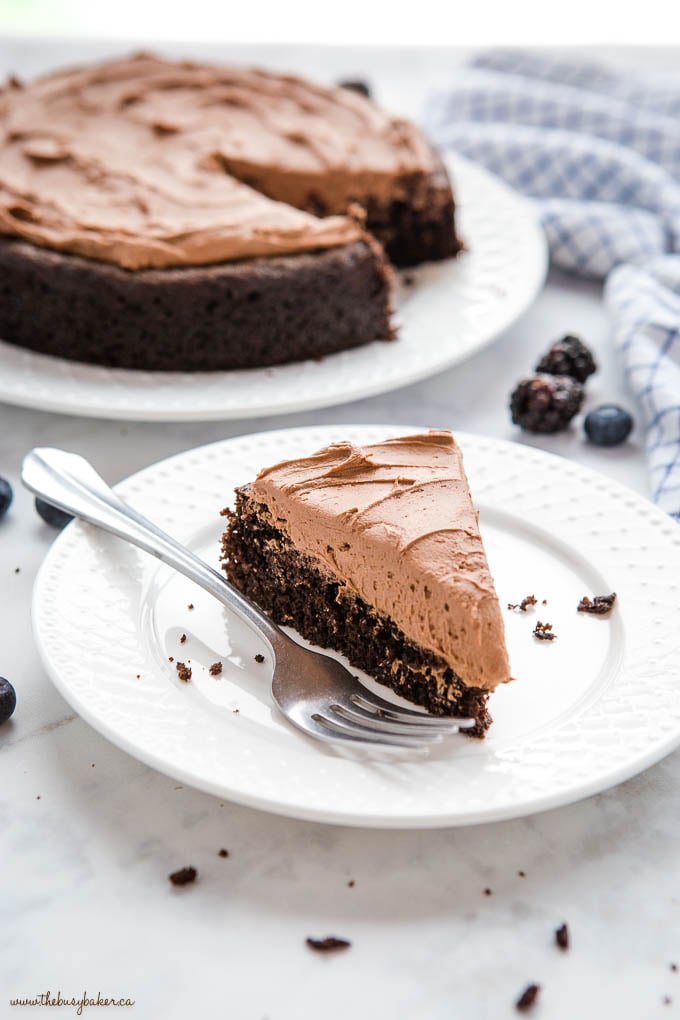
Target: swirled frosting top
395,521
145,162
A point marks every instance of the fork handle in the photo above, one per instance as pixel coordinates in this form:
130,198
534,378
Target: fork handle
71,483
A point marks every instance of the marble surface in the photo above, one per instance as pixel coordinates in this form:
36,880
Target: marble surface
88,835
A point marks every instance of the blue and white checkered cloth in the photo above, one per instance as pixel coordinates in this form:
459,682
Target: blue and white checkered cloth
599,152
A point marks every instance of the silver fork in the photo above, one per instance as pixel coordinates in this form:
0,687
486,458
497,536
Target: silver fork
313,691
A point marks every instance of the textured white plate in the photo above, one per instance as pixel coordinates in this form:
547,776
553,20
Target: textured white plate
588,710
454,308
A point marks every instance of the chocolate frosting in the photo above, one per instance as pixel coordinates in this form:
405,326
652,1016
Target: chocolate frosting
395,521
144,162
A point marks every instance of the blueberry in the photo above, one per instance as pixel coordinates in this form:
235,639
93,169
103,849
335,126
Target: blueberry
52,515
6,496
608,425
8,699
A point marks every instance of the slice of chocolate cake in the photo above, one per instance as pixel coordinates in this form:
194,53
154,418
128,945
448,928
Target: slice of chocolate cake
376,552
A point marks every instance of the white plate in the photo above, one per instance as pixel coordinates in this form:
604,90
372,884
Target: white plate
588,710
455,308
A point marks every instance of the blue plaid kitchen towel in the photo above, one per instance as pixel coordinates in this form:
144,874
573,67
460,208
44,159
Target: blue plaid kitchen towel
599,152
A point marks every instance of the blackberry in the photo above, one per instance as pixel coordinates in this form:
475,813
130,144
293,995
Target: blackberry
546,403
608,425
8,699
52,515
568,356
6,496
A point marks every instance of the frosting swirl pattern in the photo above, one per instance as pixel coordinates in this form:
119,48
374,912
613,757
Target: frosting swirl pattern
145,163
395,521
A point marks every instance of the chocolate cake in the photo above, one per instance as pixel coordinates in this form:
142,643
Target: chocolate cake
376,552
179,216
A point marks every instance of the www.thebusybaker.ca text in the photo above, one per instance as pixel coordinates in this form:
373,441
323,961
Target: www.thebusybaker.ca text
50,999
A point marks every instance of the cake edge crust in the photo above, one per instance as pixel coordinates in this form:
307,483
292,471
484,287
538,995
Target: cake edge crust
251,314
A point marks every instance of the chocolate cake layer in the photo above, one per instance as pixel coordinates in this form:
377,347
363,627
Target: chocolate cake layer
294,589
264,311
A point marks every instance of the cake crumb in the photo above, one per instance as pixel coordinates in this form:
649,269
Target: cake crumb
562,937
667,1001
544,632
674,968
183,672
183,638
138,677
350,884
223,853
487,892
171,658
190,606
329,944
184,876
17,570
409,279
522,874
259,657
544,602
235,711
527,999
215,669
598,606
528,600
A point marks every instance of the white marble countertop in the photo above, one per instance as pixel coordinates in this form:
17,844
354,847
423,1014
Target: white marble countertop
88,835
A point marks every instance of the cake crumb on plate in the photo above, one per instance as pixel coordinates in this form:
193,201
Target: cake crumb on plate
328,944
184,876
183,672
